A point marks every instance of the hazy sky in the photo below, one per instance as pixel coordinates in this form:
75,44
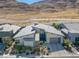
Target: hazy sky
28,1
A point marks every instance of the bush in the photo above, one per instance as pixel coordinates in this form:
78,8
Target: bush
7,41
28,48
67,44
69,47
37,50
56,25
22,48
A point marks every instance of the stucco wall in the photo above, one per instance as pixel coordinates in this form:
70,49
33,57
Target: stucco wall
27,42
37,37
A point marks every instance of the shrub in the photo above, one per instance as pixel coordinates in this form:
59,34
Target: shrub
22,48
28,48
67,44
37,50
7,41
56,25
69,47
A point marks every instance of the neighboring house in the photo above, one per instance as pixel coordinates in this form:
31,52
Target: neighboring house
6,30
71,30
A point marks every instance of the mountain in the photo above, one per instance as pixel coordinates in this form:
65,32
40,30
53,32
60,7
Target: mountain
13,5
56,5
41,6
13,10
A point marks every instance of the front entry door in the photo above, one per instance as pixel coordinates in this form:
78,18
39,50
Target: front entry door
1,40
42,36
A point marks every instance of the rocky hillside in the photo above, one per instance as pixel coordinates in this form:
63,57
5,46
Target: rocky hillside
56,5
7,6
11,9
42,6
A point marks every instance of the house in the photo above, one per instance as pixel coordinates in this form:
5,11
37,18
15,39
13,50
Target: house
7,30
49,33
38,32
26,36
71,30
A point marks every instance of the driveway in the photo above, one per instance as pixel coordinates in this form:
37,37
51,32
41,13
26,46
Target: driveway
61,53
57,50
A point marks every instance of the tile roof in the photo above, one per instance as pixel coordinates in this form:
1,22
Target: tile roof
49,29
8,27
72,27
25,31
30,29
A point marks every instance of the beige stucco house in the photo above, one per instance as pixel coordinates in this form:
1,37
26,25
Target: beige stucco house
39,32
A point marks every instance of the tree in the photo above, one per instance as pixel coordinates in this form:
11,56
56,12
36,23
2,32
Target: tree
56,25
8,41
67,44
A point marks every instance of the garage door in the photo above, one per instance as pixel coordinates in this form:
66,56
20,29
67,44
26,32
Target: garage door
54,40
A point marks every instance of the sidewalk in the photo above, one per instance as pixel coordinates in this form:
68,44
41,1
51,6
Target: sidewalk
62,53
75,51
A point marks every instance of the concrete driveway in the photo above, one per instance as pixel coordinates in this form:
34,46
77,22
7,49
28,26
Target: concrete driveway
61,53
57,50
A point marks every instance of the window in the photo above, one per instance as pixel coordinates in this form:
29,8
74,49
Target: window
42,36
28,39
1,40
77,39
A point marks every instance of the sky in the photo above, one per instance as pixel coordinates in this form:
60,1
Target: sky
28,1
